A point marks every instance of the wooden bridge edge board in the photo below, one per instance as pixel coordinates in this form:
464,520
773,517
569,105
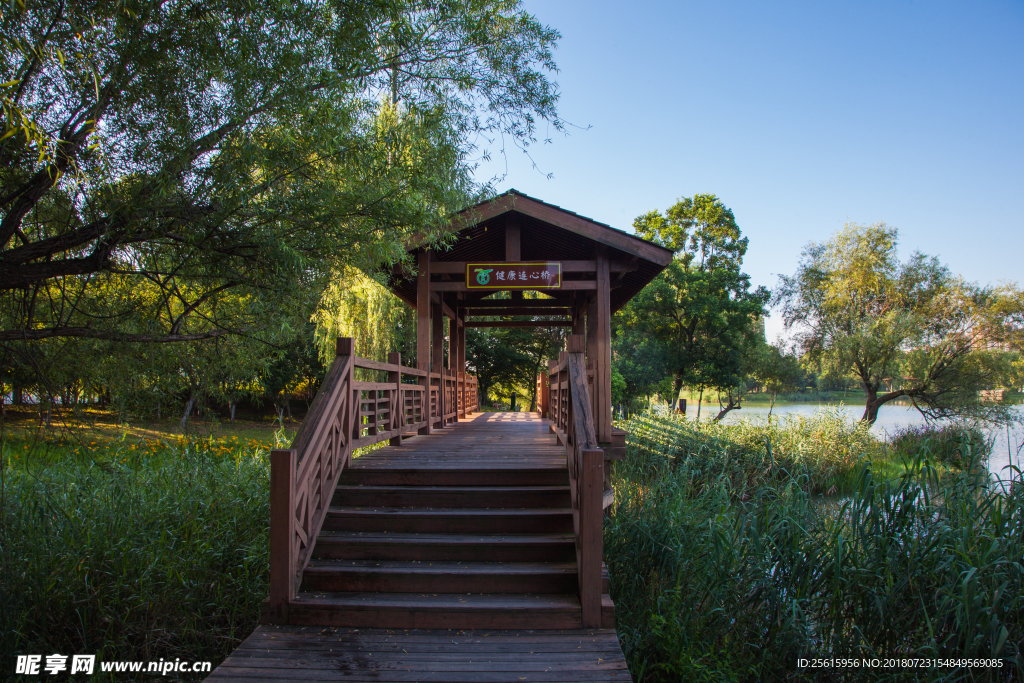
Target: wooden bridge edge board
300,653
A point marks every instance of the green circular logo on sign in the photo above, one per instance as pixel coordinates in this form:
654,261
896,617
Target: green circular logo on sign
483,276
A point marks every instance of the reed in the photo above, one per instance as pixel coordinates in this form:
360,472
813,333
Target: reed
711,585
134,554
823,451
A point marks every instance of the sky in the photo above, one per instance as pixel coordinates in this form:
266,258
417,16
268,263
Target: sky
800,116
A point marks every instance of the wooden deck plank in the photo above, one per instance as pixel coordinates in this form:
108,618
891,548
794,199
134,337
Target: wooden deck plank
481,440
294,653
498,443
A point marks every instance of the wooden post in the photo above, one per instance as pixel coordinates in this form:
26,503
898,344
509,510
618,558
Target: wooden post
437,359
603,345
590,494
552,412
282,533
593,356
460,358
397,399
423,332
578,319
545,393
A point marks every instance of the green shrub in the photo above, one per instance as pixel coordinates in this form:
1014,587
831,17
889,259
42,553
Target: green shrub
711,586
948,444
146,554
820,449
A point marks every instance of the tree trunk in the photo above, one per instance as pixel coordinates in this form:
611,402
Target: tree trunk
700,399
231,409
512,400
677,386
188,409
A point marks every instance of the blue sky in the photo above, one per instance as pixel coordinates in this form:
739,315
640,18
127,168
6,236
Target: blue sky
800,116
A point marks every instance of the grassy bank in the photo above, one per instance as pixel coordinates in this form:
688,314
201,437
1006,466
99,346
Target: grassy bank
822,451
132,550
726,565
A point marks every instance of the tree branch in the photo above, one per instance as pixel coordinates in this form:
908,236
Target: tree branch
109,335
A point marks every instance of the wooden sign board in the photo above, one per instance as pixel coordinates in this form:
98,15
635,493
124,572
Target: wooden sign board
503,275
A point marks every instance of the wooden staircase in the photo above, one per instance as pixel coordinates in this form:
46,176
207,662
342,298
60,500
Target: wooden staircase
446,548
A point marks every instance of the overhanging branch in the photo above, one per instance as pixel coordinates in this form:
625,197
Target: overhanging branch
109,335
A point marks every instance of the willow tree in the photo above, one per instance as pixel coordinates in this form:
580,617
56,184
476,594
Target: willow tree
179,152
906,330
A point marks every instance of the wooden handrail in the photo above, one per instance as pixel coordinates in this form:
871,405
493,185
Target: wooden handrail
345,414
571,418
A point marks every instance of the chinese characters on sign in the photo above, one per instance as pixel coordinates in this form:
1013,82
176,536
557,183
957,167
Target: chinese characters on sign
503,275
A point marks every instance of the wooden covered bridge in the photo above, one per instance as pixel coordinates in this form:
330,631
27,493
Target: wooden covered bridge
470,547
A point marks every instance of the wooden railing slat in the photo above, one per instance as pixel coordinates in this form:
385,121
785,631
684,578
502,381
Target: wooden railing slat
303,477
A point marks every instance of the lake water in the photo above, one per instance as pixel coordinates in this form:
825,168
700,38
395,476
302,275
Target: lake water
1008,445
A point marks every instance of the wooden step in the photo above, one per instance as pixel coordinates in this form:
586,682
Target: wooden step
367,576
452,496
449,520
352,545
397,476
441,610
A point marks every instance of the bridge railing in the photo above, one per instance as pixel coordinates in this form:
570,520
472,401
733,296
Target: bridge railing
346,414
572,420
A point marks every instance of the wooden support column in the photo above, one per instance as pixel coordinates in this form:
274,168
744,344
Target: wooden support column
437,360
593,355
579,317
552,408
397,400
603,349
423,331
282,533
460,357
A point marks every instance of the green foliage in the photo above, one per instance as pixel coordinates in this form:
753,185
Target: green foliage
955,445
821,451
145,554
640,360
182,172
714,586
908,329
355,305
507,360
700,307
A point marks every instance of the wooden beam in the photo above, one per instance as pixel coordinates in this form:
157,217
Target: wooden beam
459,267
567,285
560,302
517,311
445,309
521,323
561,218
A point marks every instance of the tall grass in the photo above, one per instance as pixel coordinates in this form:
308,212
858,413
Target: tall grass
955,445
710,585
143,554
823,450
